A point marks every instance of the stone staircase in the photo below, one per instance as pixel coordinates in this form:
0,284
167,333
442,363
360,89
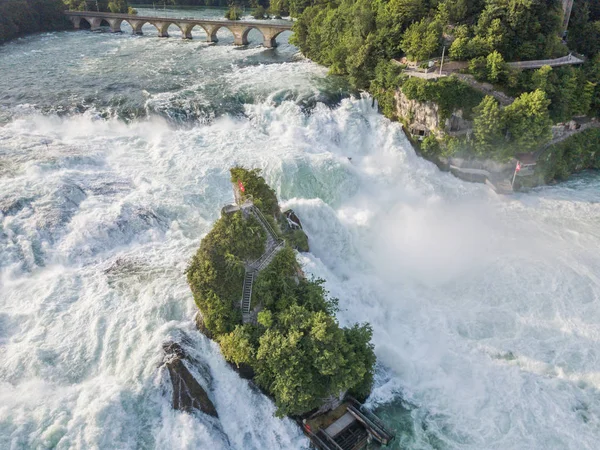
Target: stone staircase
273,245
247,292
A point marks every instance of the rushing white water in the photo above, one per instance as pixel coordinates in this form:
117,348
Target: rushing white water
484,307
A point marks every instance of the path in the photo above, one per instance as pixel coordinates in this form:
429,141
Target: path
557,62
568,134
486,88
273,246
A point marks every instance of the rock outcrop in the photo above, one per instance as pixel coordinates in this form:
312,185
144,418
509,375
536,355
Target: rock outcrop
199,320
294,233
422,118
188,393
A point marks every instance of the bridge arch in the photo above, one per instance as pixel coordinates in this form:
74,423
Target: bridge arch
163,27
79,23
198,26
247,31
136,25
213,30
178,31
269,35
115,25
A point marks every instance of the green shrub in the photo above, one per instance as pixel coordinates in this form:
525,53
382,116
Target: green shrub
234,12
449,93
30,16
579,152
478,68
260,13
216,272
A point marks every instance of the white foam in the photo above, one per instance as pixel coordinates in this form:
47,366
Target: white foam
484,307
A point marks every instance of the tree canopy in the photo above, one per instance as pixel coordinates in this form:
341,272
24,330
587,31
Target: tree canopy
30,16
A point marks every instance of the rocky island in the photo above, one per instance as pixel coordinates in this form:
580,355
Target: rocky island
277,326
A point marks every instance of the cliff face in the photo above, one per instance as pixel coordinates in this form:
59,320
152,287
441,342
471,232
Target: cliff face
425,117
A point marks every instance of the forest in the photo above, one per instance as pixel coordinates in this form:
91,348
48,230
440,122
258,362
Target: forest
360,39
30,16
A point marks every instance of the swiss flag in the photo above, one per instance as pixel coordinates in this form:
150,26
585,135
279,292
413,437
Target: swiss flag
241,185
518,166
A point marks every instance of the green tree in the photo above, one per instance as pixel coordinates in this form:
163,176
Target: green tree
488,127
430,146
237,346
496,67
259,13
308,358
478,68
528,121
234,12
118,6
422,39
544,79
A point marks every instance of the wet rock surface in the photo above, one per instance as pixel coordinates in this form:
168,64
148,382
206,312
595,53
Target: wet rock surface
188,393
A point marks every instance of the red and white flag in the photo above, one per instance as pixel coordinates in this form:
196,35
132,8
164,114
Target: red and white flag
241,185
518,166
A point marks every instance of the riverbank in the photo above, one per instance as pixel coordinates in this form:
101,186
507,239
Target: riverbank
21,17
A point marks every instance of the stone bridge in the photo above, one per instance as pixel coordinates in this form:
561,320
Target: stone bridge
238,28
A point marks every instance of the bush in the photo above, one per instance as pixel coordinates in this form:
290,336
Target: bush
578,152
383,87
260,13
497,70
449,93
234,12
216,272
430,146
478,68
256,186
30,16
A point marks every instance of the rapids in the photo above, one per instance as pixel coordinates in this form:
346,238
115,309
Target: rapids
114,157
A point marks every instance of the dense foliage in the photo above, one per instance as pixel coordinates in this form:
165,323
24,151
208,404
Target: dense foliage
30,16
578,152
449,93
255,186
584,27
216,272
353,36
298,351
523,126
359,38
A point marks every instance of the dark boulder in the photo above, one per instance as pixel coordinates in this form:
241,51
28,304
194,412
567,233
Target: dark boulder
188,394
294,233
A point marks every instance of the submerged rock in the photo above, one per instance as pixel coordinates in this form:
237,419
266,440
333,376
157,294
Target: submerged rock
188,394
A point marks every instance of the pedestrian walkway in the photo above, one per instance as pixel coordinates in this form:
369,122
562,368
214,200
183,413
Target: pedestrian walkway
273,245
557,62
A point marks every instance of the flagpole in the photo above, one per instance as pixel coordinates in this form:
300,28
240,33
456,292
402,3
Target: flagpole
517,168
